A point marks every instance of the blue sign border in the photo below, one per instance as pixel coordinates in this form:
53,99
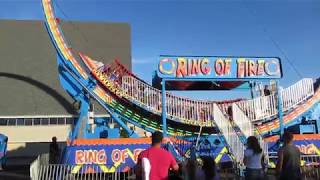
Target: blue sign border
196,70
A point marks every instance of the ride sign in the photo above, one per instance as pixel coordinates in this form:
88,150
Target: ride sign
224,67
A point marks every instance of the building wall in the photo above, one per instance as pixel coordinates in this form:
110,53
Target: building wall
29,83
29,141
32,140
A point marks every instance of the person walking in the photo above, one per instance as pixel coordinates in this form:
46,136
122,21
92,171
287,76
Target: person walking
160,160
253,160
288,165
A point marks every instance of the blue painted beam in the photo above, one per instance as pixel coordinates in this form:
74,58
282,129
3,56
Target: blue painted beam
164,113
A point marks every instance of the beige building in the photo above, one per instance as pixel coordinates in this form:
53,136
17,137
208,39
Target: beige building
34,107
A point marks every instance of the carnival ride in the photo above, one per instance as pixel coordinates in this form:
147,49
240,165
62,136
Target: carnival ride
3,149
129,99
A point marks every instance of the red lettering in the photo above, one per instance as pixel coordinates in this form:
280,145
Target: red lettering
80,157
260,69
246,68
189,67
182,67
101,157
92,156
227,69
116,155
251,68
205,69
219,67
196,66
241,67
124,155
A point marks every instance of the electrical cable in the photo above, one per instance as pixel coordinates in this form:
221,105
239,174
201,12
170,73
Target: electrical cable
274,42
82,35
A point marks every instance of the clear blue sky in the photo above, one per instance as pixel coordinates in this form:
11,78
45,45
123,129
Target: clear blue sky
288,29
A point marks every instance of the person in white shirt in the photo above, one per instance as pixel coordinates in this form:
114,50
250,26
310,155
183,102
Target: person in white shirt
253,160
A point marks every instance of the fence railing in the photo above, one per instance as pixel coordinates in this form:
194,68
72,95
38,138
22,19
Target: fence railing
189,111
40,169
247,127
259,108
297,93
66,172
42,160
266,106
242,121
231,137
199,112
310,166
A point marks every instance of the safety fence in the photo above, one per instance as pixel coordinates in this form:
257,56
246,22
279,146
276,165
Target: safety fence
242,121
259,108
231,137
189,111
40,169
65,172
265,107
310,169
200,112
297,93
310,166
247,128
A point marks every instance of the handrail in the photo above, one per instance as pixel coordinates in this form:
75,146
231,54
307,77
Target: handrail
198,112
265,107
40,171
242,121
297,93
247,128
231,137
189,111
259,108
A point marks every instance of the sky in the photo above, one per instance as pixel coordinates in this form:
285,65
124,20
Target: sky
287,29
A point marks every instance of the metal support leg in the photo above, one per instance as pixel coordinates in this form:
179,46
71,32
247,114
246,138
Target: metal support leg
318,126
164,113
251,89
280,113
81,124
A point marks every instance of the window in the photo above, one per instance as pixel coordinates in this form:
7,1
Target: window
36,121
20,122
53,121
28,122
12,122
44,121
70,120
61,121
3,122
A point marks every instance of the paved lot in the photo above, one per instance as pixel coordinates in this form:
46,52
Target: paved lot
15,173
16,169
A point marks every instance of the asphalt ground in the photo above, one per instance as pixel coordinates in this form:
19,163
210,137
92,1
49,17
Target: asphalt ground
15,173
